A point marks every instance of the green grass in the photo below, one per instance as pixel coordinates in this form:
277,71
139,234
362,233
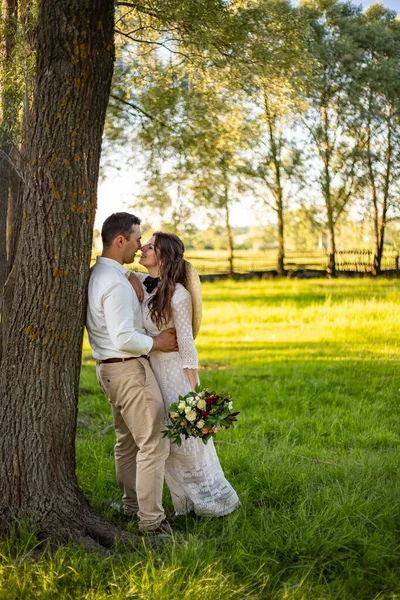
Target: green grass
314,369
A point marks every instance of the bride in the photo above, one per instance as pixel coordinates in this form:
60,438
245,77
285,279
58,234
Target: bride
192,471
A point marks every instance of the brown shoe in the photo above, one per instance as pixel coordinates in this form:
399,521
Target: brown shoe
164,528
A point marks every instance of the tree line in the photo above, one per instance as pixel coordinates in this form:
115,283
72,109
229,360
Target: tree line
287,106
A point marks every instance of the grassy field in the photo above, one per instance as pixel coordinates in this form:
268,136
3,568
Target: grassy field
314,369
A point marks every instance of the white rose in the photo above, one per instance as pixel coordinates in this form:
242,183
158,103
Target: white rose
181,405
191,416
201,404
200,424
230,405
188,409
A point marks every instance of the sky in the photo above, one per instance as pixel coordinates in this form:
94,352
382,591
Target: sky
393,4
118,190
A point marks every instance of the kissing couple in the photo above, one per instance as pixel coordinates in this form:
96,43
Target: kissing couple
141,330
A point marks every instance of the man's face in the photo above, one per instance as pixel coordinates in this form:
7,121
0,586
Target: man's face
132,245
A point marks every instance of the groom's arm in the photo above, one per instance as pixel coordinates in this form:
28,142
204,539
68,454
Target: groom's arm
120,321
166,341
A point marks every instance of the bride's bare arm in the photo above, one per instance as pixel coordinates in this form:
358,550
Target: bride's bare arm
193,377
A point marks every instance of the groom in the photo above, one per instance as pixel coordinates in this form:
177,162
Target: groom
121,348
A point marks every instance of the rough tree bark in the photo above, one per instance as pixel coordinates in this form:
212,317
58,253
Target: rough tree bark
44,298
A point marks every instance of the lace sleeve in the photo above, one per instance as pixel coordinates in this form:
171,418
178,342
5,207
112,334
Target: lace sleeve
182,315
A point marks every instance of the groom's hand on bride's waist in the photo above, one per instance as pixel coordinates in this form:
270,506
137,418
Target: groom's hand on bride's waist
166,341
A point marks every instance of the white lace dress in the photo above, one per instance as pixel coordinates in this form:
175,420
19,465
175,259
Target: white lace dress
192,472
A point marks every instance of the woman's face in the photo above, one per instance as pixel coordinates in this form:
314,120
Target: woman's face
149,257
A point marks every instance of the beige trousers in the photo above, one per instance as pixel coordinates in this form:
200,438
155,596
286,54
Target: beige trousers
140,452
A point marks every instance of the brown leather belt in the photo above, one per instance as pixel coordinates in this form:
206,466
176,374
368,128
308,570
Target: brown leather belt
108,361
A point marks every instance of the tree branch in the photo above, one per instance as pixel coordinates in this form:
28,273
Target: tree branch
140,110
154,43
138,8
5,156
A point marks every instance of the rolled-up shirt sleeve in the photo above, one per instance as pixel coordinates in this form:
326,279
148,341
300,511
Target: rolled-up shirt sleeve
118,302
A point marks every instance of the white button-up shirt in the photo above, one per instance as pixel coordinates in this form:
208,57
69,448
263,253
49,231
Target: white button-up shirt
114,317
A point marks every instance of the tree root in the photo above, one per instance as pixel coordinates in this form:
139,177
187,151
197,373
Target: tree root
76,521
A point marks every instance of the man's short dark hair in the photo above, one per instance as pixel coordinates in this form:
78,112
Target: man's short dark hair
117,224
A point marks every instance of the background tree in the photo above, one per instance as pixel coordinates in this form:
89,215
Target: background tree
174,94
215,161
275,162
378,85
200,152
8,122
270,68
331,121
182,100
18,24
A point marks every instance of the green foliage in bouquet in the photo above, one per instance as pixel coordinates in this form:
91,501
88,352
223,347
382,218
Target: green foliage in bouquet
199,414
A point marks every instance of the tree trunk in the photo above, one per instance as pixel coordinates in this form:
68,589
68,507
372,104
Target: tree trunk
229,238
331,270
27,20
326,155
8,119
4,171
278,190
378,246
380,224
14,213
374,197
281,245
44,297
374,193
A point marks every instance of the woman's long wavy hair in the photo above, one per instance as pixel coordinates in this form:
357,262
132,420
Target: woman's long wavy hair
169,249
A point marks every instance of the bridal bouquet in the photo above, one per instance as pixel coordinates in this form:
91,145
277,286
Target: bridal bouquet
199,414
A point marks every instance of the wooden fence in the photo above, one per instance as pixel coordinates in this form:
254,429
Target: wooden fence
213,262
357,261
